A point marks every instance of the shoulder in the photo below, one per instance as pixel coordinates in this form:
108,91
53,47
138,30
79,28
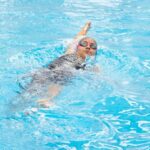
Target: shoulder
73,45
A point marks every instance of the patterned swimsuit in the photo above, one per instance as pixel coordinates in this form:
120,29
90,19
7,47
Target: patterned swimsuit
61,70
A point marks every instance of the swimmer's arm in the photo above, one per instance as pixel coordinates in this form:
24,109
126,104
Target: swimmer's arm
82,32
95,69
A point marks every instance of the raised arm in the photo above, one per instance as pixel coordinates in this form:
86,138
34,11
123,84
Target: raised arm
82,32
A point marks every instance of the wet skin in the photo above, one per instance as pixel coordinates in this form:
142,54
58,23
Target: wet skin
87,50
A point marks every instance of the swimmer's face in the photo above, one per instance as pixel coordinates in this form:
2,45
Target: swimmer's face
87,47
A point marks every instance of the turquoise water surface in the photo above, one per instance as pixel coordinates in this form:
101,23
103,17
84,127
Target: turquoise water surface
105,111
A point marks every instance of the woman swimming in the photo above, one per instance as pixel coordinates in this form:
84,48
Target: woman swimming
63,68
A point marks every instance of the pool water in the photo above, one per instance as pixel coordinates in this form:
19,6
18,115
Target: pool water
109,110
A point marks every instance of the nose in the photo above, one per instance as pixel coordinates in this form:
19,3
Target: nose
88,46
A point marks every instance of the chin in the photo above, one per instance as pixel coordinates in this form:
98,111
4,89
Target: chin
89,54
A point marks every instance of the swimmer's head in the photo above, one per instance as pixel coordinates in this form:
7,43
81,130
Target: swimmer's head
87,47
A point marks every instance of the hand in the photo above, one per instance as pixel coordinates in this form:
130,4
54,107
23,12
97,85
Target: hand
45,103
30,111
87,25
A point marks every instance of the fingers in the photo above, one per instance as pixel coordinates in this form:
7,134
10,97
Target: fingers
88,23
87,26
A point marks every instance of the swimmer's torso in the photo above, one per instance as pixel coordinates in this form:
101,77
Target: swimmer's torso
68,61
60,70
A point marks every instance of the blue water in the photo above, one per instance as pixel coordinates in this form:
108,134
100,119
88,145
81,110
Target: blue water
106,111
